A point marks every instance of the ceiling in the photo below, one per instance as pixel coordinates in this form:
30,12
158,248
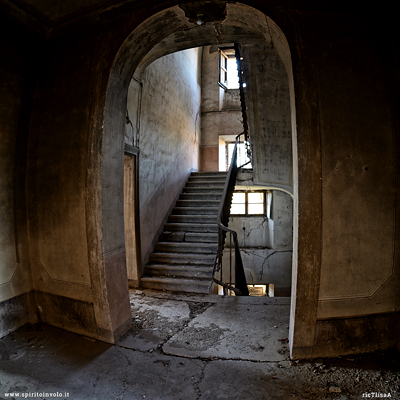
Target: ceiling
53,12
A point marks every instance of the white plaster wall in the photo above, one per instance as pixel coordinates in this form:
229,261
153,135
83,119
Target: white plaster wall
167,131
169,117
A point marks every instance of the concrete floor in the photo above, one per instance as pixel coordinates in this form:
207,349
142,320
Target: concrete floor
187,347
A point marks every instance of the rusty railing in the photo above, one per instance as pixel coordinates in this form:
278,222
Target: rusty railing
237,284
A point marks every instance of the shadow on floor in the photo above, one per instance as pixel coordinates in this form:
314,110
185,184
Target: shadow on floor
184,347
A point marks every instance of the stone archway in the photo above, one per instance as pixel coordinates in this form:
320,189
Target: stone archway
165,32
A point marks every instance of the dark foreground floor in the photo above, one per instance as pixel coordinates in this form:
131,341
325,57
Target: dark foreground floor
188,348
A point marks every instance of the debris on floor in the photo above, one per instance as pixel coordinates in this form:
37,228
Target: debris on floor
189,347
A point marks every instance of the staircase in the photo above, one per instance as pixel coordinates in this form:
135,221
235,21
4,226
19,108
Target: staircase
183,258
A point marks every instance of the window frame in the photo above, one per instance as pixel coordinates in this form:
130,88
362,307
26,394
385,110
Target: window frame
246,214
223,71
247,165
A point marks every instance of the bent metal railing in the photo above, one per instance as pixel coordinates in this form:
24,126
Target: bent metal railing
239,286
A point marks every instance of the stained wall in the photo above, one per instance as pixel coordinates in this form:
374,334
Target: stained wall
21,50
342,67
166,131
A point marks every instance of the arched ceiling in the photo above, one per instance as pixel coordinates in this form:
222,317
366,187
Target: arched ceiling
232,27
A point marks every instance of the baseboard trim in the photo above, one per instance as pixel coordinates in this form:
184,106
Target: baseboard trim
355,335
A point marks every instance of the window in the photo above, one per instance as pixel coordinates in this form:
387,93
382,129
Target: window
228,71
248,203
242,156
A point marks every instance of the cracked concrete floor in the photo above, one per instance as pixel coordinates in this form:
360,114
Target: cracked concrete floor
240,328
188,347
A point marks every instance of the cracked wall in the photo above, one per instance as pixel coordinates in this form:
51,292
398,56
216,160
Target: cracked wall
266,244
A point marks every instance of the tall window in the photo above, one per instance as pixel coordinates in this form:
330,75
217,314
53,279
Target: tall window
242,156
228,71
249,203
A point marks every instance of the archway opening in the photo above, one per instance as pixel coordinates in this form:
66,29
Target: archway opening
179,34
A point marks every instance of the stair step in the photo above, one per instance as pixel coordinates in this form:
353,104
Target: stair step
176,284
200,196
198,203
209,173
186,247
179,271
189,237
204,190
205,184
182,258
177,227
195,211
196,219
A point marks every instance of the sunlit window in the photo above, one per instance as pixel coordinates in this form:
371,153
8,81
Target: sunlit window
242,156
228,70
248,203
238,203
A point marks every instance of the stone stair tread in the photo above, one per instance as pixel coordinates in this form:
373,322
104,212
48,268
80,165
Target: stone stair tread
206,183
205,188
198,196
190,226
194,173
201,191
195,211
181,281
192,219
189,208
186,247
169,258
184,255
179,271
190,215
180,266
191,256
185,203
209,179
163,269
189,237
188,244
176,284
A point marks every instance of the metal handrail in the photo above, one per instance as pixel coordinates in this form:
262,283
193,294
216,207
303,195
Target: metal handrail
243,102
240,288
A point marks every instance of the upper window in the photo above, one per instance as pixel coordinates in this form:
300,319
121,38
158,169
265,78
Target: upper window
242,156
248,203
228,71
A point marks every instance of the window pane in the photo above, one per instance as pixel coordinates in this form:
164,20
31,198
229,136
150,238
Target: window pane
238,203
238,198
233,79
256,197
242,155
256,208
238,208
231,146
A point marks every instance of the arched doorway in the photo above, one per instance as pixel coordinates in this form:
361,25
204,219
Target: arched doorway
168,31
